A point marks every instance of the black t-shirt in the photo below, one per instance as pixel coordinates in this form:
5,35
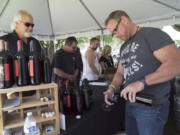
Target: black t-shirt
109,62
137,59
12,39
65,61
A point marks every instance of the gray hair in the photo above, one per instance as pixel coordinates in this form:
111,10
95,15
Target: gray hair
18,17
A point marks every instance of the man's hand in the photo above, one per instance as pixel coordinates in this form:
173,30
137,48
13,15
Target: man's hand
129,92
108,94
71,77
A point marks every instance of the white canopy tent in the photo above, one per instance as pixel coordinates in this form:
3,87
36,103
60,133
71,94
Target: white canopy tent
57,19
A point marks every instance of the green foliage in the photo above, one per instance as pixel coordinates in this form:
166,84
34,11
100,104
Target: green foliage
176,27
59,43
83,41
115,43
44,44
177,42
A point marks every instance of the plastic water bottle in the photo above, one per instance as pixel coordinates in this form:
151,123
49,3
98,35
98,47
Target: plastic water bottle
30,127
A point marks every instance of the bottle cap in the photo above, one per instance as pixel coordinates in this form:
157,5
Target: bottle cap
29,113
32,45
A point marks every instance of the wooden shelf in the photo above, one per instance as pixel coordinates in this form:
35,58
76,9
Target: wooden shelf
51,133
28,104
28,88
14,120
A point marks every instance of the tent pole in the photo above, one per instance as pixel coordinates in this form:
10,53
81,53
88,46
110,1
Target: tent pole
50,18
90,13
166,5
102,39
4,5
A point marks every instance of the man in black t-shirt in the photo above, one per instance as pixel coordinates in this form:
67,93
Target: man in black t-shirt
65,65
22,27
149,59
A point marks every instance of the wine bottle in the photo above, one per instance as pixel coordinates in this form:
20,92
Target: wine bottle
141,98
145,99
60,95
46,66
77,102
87,94
34,61
8,69
21,66
5,66
67,94
2,74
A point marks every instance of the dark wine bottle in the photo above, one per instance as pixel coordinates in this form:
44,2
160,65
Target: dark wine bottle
77,101
8,67
5,78
46,66
67,94
34,61
21,66
60,96
145,99
2,74
141,98
87,94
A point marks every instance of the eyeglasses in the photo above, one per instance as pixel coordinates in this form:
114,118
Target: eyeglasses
115,29
28,24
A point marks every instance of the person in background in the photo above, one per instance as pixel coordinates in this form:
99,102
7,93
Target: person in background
22,27
149,59
91,66
106,60
65,65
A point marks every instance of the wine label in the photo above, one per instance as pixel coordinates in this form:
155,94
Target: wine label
68,101
16,68
31,68
6,70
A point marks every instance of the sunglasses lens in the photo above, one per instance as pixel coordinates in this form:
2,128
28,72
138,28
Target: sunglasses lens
29,24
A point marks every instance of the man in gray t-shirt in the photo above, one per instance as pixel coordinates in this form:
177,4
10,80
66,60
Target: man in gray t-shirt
148,60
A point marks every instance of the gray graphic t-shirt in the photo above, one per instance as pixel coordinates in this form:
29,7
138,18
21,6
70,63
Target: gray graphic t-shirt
136,56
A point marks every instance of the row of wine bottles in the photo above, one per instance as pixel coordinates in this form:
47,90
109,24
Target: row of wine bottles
72,99
22,69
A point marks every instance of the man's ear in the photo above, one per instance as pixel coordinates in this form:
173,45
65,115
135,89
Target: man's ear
124,20
17,23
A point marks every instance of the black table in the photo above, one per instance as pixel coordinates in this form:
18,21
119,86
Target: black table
96,121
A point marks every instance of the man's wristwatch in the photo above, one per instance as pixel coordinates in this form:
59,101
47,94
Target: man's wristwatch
144,82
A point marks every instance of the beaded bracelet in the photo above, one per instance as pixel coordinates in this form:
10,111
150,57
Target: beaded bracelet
113,87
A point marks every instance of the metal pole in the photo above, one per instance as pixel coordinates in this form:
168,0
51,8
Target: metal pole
166,5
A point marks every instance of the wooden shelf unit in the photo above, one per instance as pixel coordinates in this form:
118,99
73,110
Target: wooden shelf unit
30,103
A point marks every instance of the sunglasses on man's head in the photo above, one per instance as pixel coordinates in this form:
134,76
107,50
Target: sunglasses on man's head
28,24
115,29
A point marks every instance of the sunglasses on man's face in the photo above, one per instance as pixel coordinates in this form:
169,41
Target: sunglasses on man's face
115,29
28,24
